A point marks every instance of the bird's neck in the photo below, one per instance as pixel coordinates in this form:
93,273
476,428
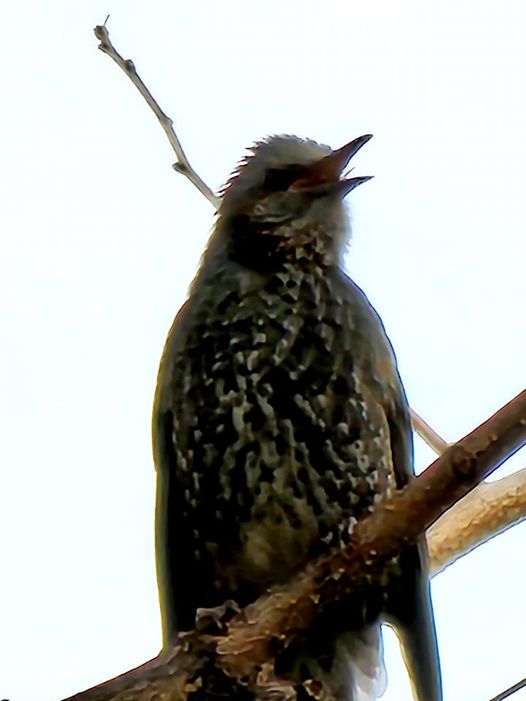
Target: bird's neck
301,285
267,249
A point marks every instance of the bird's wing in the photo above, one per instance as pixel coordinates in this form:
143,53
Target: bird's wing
409,609
178,595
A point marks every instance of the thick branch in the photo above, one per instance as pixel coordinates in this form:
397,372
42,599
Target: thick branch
206,664
490,509
394,524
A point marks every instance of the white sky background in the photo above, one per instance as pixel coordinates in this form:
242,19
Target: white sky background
100,239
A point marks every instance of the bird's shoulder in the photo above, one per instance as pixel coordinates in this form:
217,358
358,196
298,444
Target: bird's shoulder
375,363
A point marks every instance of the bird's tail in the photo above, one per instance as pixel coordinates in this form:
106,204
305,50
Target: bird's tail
351,670
411,615
358,670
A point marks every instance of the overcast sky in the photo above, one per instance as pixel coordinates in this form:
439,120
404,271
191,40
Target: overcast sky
100,240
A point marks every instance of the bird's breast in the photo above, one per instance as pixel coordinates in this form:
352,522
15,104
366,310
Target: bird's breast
277,441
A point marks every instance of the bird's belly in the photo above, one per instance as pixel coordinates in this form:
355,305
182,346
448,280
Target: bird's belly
273,544
278,446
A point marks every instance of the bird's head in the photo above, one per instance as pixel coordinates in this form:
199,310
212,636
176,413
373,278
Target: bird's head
285,201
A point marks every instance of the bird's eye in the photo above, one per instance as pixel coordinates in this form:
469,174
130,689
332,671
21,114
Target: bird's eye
278,179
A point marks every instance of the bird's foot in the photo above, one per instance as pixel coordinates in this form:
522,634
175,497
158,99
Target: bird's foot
213,621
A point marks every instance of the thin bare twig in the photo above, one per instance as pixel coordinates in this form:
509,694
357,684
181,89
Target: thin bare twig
428,434
506,694
182,164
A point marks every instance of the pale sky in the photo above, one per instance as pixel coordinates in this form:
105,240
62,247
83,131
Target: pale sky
100,240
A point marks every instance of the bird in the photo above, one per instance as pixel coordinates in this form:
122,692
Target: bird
280,420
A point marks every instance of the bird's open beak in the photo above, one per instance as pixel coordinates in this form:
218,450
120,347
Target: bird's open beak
324,176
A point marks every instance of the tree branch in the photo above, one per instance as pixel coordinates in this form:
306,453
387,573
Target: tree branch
182,164
512,690
490,509
209,661
428,434
395,523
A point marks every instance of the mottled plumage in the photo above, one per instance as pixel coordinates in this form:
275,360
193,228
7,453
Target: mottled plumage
280,418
